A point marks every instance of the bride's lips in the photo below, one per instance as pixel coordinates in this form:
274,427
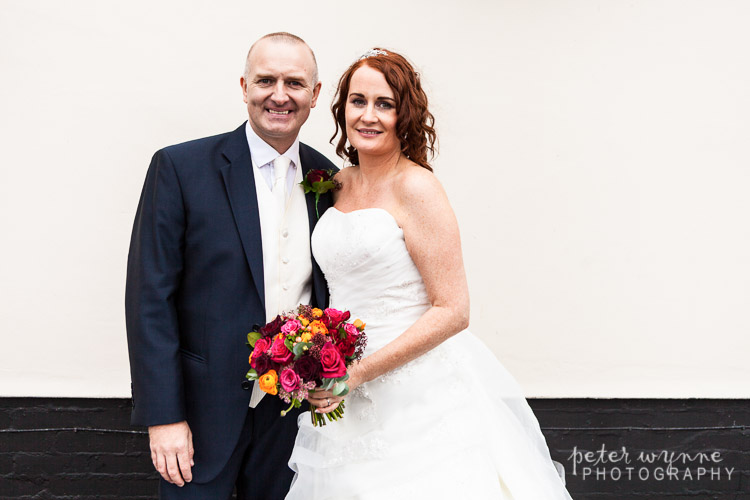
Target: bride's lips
368,132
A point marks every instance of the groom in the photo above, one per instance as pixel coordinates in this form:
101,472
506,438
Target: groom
221,241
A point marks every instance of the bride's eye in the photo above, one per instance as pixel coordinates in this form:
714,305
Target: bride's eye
357,101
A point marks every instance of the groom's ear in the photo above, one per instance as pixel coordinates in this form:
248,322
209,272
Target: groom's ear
316,93
243,84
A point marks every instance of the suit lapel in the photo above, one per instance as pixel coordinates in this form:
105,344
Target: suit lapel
240,184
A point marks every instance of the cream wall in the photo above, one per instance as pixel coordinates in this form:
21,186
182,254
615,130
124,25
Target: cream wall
595,152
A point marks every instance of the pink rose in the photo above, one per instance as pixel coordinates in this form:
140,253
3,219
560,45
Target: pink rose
289,380
291,326
280,353
351,330
330,360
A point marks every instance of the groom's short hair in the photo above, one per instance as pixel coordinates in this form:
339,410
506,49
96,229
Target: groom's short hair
284,37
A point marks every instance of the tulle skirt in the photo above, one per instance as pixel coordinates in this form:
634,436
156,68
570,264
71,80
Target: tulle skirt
451,424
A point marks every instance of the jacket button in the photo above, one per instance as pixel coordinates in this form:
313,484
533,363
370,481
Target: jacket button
246,384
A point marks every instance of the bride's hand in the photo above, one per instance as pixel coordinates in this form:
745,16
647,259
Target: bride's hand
325,401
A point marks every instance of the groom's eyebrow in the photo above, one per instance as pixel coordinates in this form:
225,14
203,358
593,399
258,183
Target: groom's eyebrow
300,77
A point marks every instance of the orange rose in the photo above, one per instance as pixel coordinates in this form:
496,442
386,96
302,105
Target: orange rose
304,321
317,326
268,382
358,324
317,313
306,337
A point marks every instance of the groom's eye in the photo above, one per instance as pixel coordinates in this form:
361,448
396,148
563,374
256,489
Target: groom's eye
264,81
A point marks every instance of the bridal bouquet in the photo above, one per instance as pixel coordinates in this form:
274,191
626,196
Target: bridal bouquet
303,350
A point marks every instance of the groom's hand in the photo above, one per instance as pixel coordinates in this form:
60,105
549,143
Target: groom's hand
172,451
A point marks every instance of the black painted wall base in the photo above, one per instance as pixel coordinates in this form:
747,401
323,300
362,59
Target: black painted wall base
85,449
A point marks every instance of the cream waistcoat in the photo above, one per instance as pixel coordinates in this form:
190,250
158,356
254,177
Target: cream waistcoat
287,265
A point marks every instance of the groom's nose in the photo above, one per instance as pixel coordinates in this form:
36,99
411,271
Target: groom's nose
279,95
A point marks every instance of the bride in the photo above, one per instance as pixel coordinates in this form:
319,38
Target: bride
431,412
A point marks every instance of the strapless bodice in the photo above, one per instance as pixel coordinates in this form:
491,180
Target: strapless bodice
369,271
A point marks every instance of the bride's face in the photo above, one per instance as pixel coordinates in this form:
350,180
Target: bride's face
371,113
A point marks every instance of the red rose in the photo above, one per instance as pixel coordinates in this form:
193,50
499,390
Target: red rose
280,353
346,346
317,176
261,346
333,318
263,364
307,368
272,328
330,360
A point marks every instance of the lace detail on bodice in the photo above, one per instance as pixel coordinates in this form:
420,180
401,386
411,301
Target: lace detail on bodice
369,271
345,255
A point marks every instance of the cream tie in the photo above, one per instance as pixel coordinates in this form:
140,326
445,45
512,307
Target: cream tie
280,169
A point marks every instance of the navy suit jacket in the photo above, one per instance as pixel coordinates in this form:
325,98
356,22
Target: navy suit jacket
195,289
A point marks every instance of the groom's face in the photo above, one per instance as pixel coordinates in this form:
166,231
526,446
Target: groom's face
279,90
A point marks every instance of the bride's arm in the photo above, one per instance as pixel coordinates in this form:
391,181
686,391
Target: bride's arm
432,238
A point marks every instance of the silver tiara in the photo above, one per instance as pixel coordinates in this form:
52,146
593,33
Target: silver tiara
373,53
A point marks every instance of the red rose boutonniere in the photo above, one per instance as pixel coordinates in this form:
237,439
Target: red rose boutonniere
319,182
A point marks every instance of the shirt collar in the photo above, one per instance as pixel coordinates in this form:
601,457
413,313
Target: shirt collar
262,153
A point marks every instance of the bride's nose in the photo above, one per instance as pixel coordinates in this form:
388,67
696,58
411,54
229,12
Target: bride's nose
369,115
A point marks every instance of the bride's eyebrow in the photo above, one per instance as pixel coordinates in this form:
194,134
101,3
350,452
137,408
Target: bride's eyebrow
380,98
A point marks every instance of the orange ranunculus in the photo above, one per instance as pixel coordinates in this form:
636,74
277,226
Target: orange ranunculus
268,382
306,337
317,326
317,313
358,324
304,321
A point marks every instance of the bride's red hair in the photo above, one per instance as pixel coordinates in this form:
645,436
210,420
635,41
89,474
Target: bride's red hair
414,124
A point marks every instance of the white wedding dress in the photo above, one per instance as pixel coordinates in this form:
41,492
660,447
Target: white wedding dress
452,424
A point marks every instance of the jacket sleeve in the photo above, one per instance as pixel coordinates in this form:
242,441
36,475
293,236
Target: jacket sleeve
155,264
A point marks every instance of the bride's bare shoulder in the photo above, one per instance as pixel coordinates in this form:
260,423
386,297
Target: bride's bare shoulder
343,174
418,186
342,177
